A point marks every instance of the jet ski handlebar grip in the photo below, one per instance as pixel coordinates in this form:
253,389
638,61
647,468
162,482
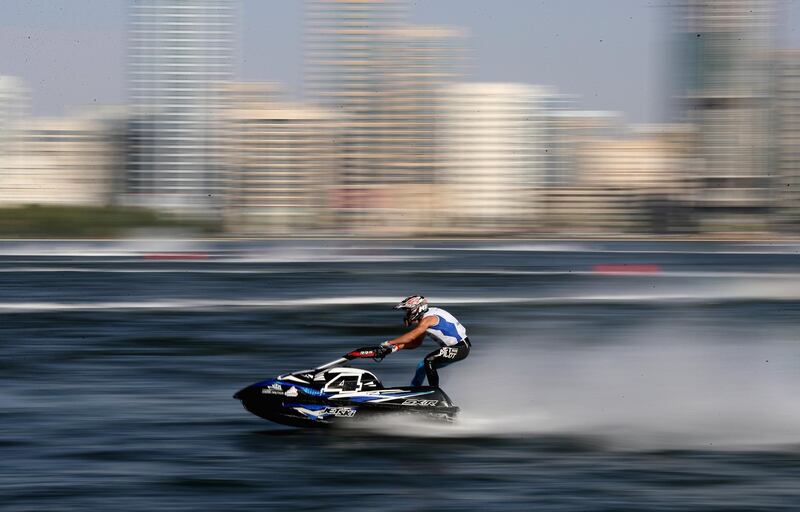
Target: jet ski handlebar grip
382,351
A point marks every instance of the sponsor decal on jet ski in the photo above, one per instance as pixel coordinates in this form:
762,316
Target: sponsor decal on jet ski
273,389
319,414
421,403
305,389
348,412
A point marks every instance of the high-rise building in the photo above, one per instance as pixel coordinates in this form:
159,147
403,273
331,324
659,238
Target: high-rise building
723,88
561,141
180,57
568,129
281,164
75,160
346,72
385,80
345,50
497,141
13,108
787,139
423,62
642,160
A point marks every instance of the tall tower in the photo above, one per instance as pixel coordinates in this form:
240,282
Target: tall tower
281,162
13,108
385,81
497,135
787,139
180,56
724,87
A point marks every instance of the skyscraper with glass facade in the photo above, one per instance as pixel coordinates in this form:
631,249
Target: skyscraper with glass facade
180,56
724,85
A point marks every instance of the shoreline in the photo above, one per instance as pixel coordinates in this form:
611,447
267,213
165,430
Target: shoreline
765,238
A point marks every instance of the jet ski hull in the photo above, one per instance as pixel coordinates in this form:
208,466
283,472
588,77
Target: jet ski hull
289,403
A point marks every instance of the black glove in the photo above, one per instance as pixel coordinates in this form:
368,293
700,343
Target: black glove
382,351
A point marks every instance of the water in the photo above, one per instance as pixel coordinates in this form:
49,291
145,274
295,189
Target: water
668,389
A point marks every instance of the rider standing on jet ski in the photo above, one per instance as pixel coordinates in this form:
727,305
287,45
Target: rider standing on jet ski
440,325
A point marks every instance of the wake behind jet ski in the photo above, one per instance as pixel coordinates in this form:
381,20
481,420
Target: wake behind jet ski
335,394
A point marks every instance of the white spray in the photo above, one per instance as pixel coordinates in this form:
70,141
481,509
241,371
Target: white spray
660,387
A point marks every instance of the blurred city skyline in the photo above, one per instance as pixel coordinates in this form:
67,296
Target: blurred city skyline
410,119
73,54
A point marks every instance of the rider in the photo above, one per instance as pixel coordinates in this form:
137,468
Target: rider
440,325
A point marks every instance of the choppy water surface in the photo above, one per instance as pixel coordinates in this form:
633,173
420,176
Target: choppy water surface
671,386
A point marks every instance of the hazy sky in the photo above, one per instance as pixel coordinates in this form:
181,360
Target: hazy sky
612,53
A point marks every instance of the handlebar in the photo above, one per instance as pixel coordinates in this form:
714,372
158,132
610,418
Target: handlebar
376,353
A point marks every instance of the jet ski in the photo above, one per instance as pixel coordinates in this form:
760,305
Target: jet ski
336,394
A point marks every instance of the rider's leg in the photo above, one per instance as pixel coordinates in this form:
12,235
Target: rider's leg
430,368
422,371
419,375
441,358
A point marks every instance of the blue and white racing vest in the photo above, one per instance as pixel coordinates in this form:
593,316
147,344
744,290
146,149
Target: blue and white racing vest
448,331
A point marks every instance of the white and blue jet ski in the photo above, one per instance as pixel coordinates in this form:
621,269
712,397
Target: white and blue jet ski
334,394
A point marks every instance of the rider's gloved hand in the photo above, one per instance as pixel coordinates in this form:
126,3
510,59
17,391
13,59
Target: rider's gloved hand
384,350
392,348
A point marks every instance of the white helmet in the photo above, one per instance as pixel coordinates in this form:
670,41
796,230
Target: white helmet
415,307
